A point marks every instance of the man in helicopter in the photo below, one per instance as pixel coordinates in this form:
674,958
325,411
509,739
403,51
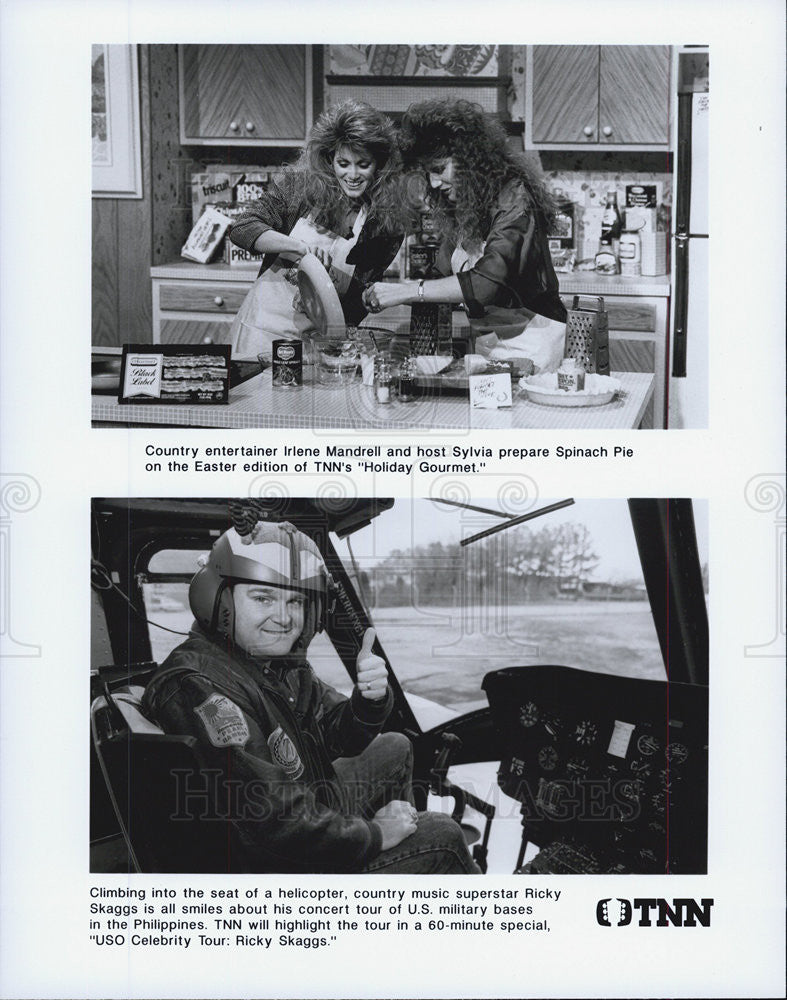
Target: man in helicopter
307,780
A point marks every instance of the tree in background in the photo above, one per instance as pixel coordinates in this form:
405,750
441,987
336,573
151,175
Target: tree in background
520,563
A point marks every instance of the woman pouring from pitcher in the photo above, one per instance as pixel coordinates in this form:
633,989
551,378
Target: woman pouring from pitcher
340,202
491,210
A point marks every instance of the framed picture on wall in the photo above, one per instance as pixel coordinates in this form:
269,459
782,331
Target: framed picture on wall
115,126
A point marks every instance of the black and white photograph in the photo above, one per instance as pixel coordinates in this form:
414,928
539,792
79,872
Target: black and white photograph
358,562
433,686
411,236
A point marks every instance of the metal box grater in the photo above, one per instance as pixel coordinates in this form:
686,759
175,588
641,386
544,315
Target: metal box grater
430,327
587,336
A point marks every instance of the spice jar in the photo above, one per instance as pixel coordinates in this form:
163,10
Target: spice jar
606,261
383,382
571,376
630,252
407,379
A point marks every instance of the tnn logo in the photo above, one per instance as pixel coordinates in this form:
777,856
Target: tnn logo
678,913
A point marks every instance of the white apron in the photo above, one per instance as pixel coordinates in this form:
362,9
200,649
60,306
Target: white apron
272,309
514,333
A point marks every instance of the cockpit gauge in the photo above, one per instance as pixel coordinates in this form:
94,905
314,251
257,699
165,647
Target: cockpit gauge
677,753
529,715
586,732
648,745
576,766
547,758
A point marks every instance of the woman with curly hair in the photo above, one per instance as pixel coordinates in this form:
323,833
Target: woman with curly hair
340,202
492,211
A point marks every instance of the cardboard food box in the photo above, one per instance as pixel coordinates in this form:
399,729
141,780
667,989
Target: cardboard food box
643,195
205,238
207,188
224,183
250,188
238,256
653,253
589,232
641,218
230,254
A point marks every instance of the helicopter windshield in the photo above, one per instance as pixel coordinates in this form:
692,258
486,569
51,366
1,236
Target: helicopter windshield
564,588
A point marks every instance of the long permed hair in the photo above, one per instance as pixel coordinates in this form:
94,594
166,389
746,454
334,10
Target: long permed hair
483,164
364,130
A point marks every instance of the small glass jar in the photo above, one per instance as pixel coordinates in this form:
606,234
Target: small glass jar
630,252
384,382
406,379
606,260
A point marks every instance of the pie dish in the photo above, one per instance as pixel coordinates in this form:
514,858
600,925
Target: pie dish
599,389
318,295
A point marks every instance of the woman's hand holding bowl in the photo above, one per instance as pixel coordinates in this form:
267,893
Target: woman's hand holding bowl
300,249
322,256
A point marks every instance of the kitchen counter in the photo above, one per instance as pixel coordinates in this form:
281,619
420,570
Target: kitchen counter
590,283
196,303
255,404
576,283
191,271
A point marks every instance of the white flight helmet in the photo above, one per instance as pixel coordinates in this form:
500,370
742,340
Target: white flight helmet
274,553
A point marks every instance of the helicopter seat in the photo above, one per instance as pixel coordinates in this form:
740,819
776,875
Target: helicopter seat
129,702
146,772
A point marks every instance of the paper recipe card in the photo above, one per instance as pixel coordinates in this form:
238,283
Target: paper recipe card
490,392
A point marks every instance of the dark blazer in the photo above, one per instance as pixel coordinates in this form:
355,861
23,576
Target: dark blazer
515,268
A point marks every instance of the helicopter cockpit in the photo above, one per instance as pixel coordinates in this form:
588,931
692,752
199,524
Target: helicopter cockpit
548,662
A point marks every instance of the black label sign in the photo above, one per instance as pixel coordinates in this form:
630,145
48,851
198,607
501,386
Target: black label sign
175,373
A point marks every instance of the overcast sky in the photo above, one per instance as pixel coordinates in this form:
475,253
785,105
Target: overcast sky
419,522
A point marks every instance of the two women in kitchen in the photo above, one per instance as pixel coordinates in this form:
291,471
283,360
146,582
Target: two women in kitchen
491,210
341,202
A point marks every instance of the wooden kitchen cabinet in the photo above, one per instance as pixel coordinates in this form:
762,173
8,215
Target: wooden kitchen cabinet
603,97
245,95
196,303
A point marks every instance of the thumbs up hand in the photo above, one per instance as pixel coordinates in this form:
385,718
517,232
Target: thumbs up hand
371,671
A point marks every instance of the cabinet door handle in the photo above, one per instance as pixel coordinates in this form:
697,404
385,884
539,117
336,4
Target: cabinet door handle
588,130
234,126
219,301
607,130
249,126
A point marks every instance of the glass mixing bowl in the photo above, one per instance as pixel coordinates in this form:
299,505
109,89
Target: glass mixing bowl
339,352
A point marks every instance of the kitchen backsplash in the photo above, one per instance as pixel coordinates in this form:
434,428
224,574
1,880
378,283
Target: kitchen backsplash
587,189
585,177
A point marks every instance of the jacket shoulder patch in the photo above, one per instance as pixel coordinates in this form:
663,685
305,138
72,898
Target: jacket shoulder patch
224,722
284,753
